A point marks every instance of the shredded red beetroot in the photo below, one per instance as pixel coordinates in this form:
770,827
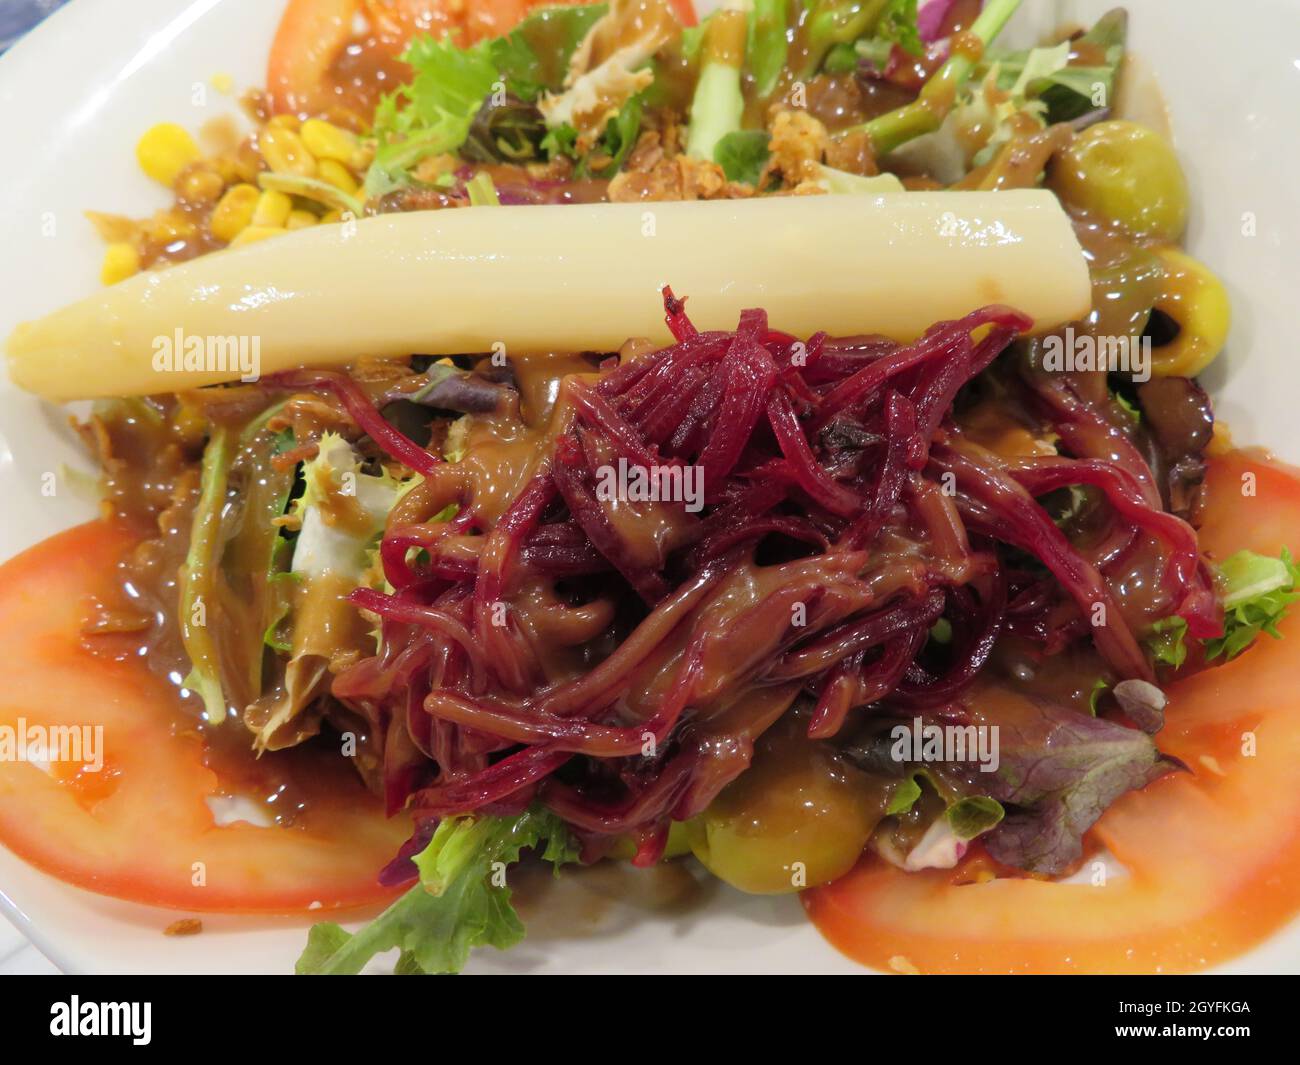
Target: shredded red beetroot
361,410
615,659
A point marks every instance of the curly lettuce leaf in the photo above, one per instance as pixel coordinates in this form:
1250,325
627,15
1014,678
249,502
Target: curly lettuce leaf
433,113
1001,92
1069,90
334,484
1257,590
460,903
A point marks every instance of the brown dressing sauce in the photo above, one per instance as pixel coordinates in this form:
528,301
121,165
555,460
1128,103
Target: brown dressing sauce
150,450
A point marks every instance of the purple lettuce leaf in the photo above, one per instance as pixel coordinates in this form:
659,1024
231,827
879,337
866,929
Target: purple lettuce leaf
1060,770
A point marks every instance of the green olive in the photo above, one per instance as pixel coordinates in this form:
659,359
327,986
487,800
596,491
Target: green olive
800,816
1127,174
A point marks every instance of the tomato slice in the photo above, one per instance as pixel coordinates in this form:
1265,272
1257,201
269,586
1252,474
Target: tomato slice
310,37
140,828
685,11
305,73
1212,857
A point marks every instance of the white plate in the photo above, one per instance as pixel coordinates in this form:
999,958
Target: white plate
78,91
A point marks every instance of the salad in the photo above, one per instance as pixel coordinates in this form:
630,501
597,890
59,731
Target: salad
858,528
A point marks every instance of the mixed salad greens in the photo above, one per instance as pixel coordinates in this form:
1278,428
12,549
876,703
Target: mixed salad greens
500,101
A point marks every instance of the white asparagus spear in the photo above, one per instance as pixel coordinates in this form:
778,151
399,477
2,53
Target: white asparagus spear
561,278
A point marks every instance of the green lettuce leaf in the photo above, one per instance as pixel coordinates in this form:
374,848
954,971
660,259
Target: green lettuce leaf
618,138
742,154
973,815
432,113
1256,592
906,792
460,903
1167,641
529,70
1068,90
967,815
897,26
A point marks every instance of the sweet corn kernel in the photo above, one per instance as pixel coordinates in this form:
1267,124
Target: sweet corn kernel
234,213
285,121
362,157
248,161
167,226
285,152
327,141
332,216
121,260
272,209
300,219
200,184
164,151
227,168
337,174
250,234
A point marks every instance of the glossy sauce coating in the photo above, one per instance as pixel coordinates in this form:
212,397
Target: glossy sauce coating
1210,859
